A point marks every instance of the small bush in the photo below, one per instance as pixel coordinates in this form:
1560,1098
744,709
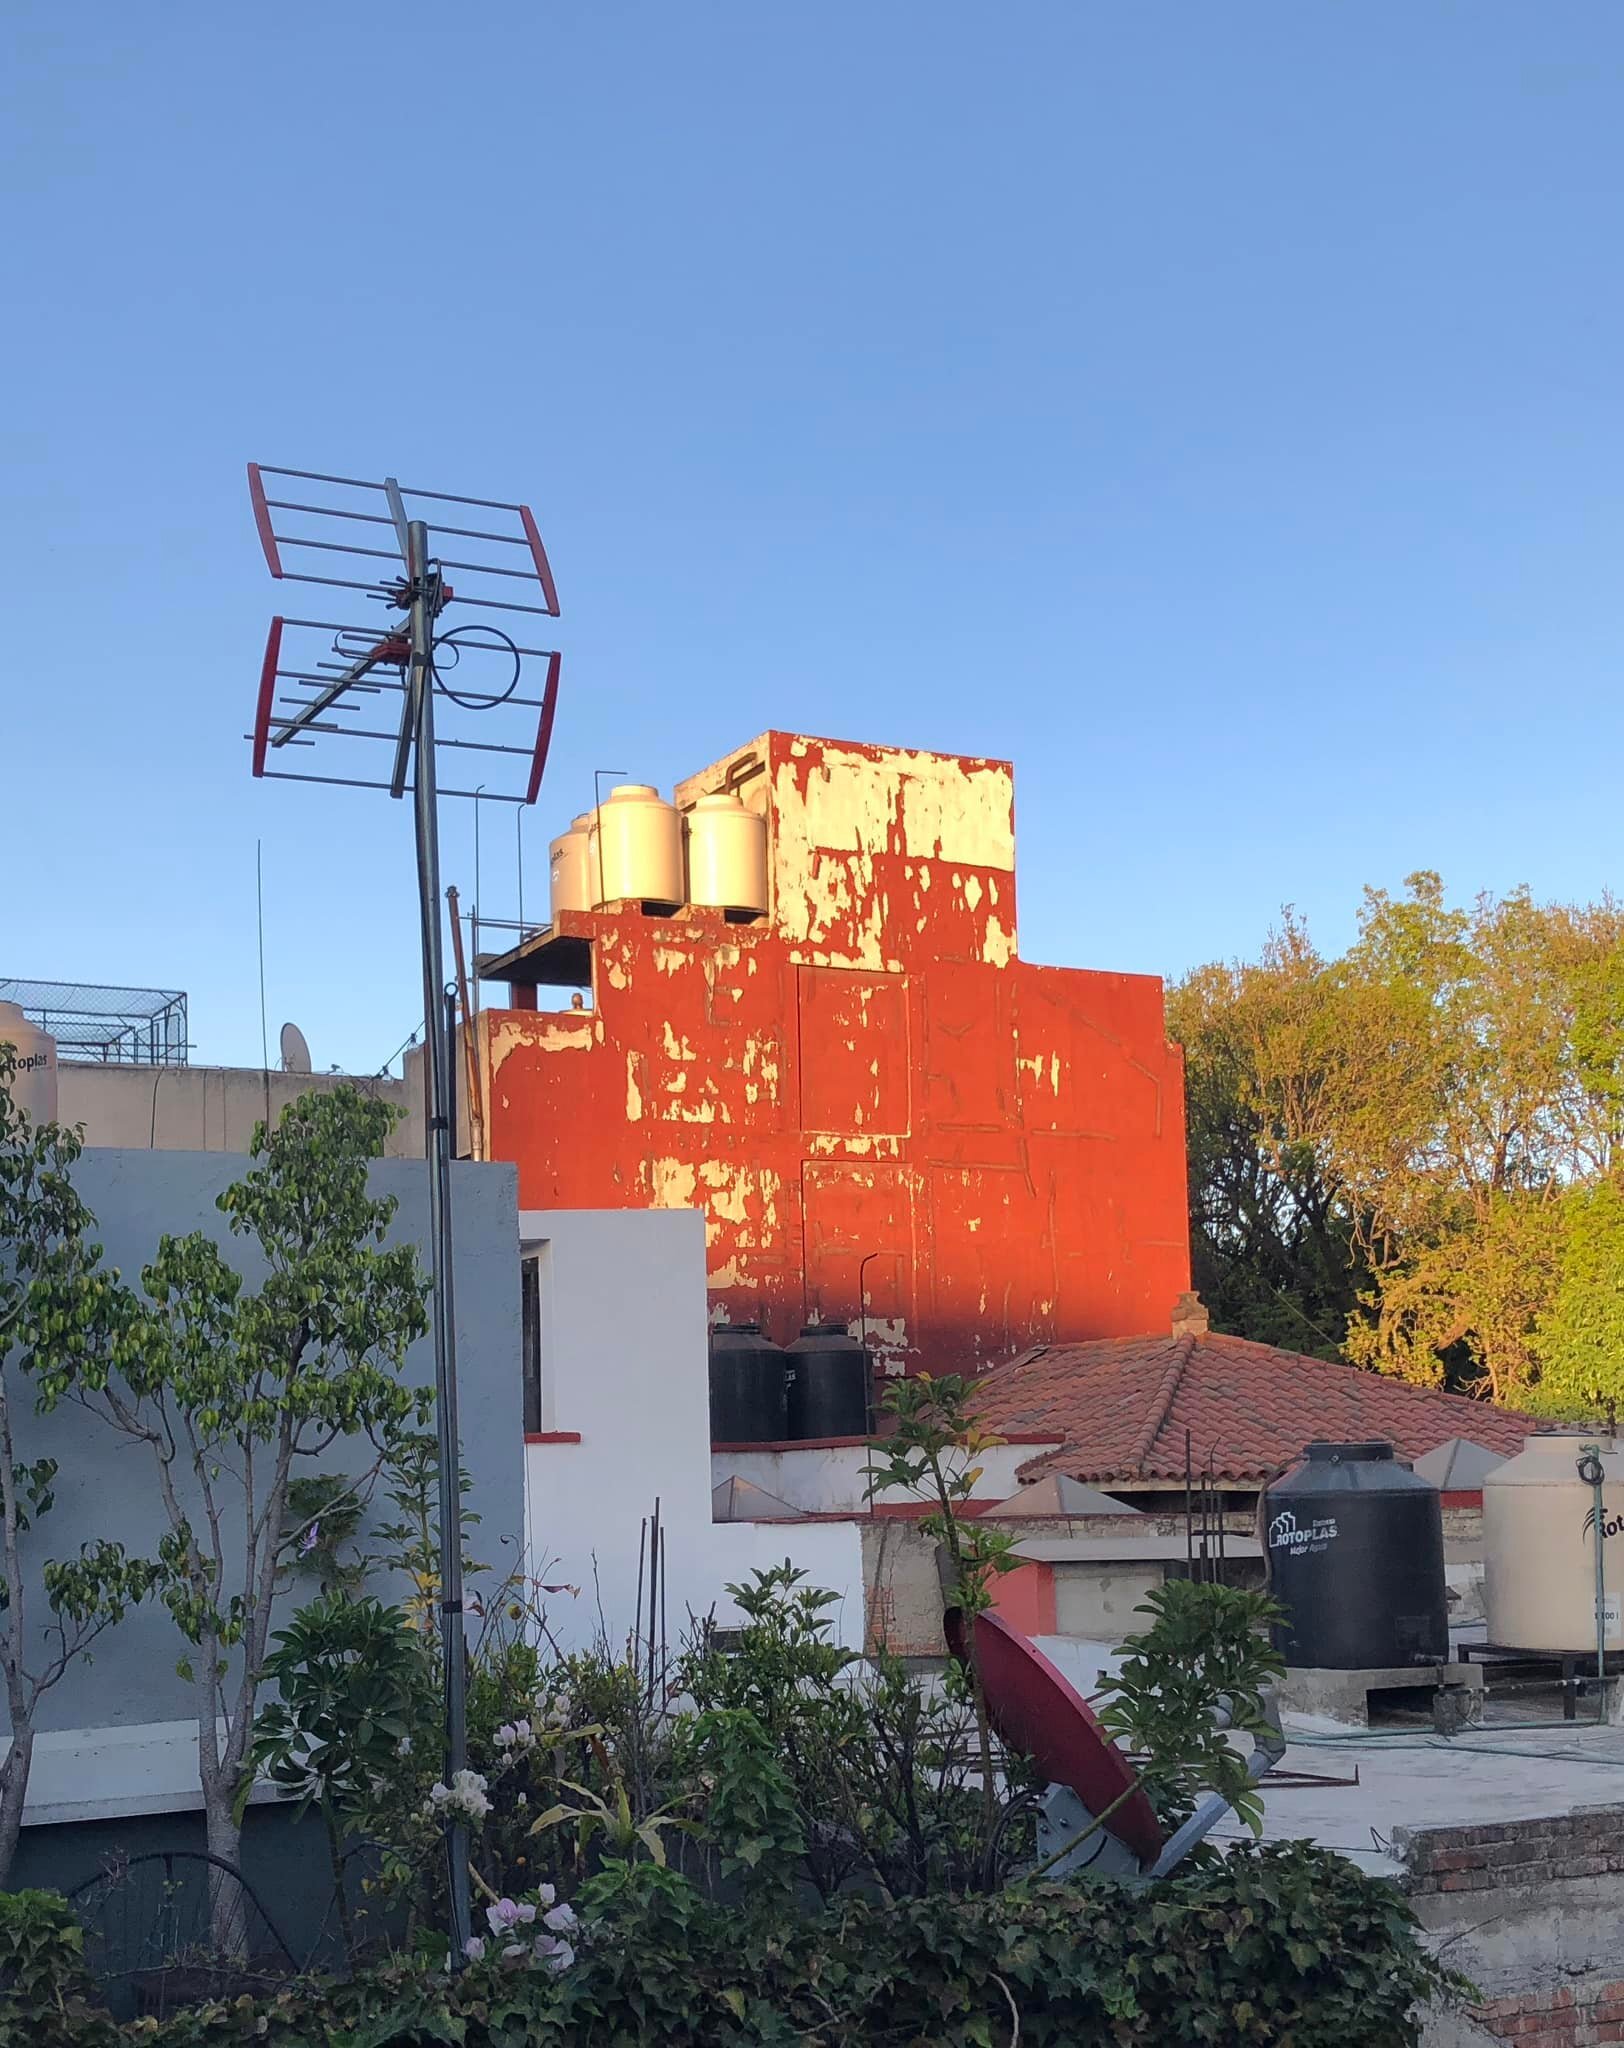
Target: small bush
1274,1947
44,1987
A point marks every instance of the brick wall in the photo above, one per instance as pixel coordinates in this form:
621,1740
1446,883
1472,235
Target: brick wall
1529,1910
1586,1843
1556,2016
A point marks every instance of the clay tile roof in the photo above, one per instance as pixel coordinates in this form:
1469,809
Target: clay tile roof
1122,1405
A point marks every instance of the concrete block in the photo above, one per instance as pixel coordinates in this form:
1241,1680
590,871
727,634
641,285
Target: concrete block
1345,1695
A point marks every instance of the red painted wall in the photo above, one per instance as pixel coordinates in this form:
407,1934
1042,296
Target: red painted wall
870,1069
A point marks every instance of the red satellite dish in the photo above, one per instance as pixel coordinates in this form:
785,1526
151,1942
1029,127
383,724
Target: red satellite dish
1037,1710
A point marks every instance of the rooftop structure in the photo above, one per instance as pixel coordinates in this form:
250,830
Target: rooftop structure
1121,1410
93,1025
885,1115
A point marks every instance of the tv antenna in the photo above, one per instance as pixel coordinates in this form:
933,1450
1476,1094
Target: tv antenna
318,680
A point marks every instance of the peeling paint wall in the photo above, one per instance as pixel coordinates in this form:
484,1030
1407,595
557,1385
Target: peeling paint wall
868,1073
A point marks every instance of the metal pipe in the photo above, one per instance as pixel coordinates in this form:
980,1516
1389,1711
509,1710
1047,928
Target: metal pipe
436,1099
1268,1749
1594,1474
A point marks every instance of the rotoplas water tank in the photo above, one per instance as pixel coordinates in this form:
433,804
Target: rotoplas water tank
747,1386
1355,1549
1539,1545
635,849
33,1083
727,855
830,1380
569,863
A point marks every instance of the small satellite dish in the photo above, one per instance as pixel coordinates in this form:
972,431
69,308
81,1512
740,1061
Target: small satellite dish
295,1053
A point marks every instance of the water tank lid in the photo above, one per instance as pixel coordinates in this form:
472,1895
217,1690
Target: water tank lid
823,1329
736,1329
634,789
719,801
1347,1454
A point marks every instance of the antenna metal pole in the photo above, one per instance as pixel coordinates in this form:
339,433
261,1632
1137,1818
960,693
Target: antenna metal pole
317,705
425,588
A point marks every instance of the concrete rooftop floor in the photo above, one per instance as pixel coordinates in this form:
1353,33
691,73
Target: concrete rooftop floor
1501,1770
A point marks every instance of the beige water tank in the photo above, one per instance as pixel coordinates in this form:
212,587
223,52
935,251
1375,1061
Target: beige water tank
635,847
1539,1545
569,861
727,855
33,1083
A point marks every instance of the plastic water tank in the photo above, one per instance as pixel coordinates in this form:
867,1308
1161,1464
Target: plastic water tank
1539,1544
569,862
1355,1548
33,1084
727,855
635,849
830,1380
747,1386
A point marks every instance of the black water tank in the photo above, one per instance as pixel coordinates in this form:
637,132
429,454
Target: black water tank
1355,1548
747,1386
829,1381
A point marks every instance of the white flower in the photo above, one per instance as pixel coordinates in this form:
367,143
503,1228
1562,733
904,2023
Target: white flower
546,1894
556,1955
523,1799
561,1920
474,1949
505,1736
463,1799
404,1746
521,1732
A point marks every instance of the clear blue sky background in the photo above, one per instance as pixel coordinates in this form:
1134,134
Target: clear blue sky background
1217,409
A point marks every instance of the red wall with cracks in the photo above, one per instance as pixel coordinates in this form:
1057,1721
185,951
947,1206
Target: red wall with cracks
869,1069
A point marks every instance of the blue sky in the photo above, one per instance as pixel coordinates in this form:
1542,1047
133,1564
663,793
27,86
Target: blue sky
1216,409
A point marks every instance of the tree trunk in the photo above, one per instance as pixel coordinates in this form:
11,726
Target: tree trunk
228,1906
13,1792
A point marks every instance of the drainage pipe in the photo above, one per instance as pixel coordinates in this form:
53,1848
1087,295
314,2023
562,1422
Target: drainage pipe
1594,1474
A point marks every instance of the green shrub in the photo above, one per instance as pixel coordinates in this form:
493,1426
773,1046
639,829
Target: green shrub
44,1987
1274,1947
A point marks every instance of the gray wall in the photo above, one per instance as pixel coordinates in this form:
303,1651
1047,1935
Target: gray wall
206,1109
106,1486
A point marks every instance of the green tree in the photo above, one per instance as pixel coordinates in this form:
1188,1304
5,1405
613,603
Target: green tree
1272,1245
1580,1337
229,1385
932,1452
55,1304
1206,1648
1427,1107
354,1684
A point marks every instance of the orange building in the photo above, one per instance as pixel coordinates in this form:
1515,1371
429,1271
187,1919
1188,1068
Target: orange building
883,1112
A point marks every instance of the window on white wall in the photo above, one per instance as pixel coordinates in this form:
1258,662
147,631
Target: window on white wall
538,1393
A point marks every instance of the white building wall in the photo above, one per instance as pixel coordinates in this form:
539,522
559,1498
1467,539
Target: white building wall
833,1479
625,1369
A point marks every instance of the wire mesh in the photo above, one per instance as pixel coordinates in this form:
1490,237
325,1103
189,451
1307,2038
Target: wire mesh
97,1025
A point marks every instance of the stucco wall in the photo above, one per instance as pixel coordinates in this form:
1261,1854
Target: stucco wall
882,1112
624,1368
106,1488
201,1109
833,1478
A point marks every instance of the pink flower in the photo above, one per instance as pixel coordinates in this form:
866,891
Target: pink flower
561,1920
507,1914
556,1955
474,1949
